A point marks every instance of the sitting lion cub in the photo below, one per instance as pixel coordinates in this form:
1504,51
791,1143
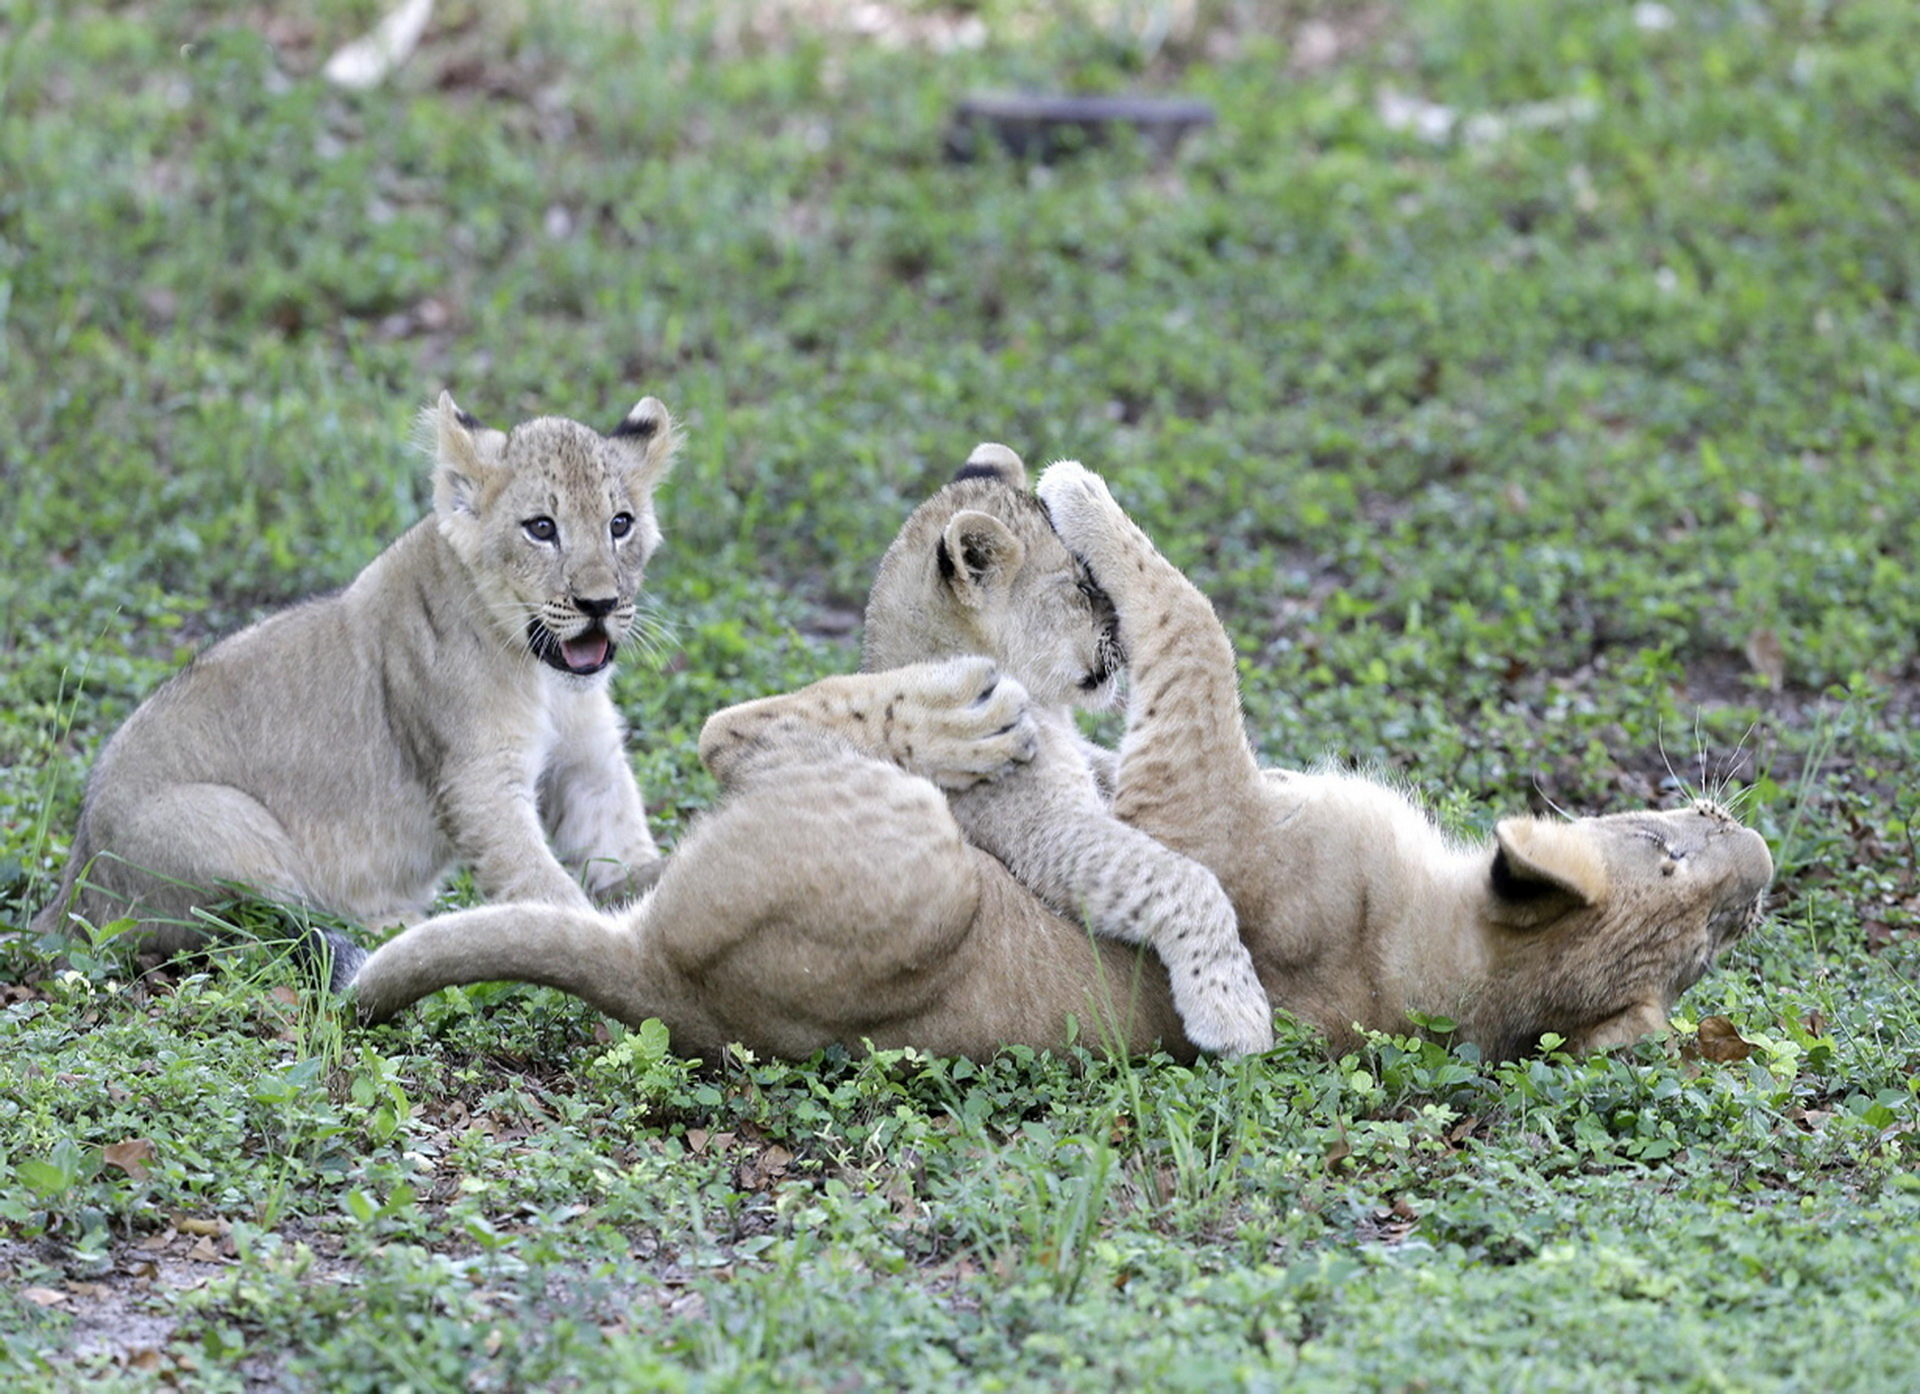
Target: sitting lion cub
448,706
832,897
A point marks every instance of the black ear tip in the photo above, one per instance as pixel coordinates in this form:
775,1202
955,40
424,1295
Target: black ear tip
996,462
468,421
642,423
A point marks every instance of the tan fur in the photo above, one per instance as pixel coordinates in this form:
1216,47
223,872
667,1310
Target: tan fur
344,753
833,897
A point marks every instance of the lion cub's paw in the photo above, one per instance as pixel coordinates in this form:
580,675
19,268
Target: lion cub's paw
968,723
1226,1011
1084,514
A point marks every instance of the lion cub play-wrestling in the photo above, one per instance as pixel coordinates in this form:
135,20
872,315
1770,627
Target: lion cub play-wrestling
978,570
448,706
832,897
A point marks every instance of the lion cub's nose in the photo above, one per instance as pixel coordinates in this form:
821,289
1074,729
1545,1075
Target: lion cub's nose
595,609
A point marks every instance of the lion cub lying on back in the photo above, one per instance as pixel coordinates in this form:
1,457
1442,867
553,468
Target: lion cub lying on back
449,705
831,897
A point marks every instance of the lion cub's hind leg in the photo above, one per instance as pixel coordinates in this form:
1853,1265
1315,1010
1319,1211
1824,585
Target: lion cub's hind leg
175,847
825,899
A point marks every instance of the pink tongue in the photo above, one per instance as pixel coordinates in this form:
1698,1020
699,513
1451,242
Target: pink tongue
588,651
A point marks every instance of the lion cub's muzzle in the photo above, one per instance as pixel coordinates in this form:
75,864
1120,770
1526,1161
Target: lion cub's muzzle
1748,876
586,651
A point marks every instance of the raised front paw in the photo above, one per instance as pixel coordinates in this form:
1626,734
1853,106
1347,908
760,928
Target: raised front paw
1087,519
961,723
1222,1006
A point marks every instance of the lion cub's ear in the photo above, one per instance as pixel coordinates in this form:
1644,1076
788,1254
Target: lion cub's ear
467,457
1542,870
976,553
647,440
990,461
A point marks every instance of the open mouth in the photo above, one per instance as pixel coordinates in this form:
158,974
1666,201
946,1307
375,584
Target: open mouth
583,655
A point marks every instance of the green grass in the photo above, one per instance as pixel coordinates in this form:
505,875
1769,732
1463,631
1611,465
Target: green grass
1565,462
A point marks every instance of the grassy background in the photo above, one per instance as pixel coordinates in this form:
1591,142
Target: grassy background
1560,452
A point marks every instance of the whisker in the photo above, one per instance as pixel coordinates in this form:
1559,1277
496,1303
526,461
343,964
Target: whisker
1700,745
1548,800
1660,740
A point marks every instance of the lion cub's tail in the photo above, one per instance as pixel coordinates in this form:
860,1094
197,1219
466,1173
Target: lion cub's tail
591,955
330,956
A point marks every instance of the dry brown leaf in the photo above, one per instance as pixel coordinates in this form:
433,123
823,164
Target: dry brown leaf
191,1226
44,1297
204,1250
1720,1041
131,1155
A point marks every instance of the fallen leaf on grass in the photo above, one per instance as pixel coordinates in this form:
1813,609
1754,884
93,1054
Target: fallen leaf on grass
191,1226
131,1155
1719,1041
760,1171
204,1250
44,1297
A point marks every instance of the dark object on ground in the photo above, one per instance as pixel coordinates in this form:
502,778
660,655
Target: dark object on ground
1047,128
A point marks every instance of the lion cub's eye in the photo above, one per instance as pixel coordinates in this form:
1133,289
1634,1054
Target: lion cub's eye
540,529
621,525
